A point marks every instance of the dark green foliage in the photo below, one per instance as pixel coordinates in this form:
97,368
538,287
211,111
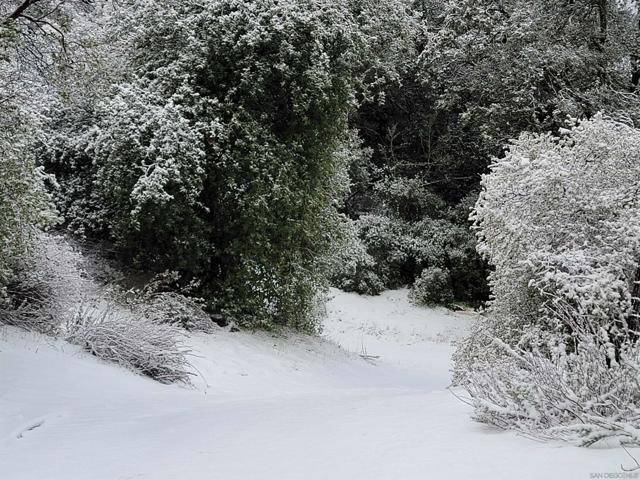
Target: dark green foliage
223,146
217,158
433,286
481,73
401,250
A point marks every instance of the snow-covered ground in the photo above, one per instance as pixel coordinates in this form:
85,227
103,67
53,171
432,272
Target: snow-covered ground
268,407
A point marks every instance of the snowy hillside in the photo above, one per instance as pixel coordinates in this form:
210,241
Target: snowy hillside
269,407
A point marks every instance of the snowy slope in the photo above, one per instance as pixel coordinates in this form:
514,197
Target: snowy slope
268,407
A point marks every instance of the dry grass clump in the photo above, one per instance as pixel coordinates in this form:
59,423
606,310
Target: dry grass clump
140,344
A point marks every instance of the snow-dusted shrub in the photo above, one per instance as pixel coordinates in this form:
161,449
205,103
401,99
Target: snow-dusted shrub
141,344
29,304
351,268
163,301
401,250
171,308
448,245
557,353
51,284
408,198
387,241
582,387
433,286
359,277
45,286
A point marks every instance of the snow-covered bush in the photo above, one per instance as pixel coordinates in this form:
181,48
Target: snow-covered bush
45,286
351,267
408,198
558,216
171,308
559,219
54,292
581,387
398,251
386,240
141,344
433,286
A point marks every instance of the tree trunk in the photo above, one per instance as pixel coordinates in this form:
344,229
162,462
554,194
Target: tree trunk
603,20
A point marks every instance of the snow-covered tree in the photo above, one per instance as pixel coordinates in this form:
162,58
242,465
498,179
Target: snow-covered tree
559,220
24,203
217,156
32,42
480,73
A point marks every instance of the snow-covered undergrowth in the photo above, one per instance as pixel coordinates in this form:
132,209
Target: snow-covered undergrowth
48,286
267,406
58,292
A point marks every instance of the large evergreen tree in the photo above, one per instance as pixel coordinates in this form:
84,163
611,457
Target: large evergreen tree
216,158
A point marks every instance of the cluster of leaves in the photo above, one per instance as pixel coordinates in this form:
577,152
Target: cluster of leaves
559,219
